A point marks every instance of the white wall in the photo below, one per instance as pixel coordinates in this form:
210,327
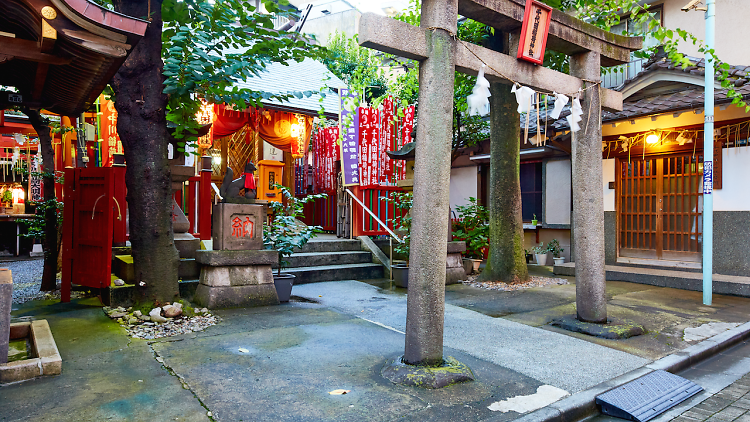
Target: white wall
732,29
734,194
463,185
557,192
608,175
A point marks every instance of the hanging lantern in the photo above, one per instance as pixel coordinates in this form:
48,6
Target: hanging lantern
204,116
652,138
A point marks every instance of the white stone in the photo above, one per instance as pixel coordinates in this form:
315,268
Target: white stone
171,311
155,315
707,330
545,395
119,282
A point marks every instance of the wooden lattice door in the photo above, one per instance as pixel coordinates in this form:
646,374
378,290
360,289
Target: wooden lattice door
660,206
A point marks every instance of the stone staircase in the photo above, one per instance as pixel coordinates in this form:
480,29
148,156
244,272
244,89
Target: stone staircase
332,260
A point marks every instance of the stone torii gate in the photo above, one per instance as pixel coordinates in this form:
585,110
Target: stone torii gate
434,45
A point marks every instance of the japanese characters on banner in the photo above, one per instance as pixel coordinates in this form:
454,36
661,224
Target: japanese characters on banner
299,136
325,150
35,180
381,132
110,140
349,124
369,134
405,137
388,132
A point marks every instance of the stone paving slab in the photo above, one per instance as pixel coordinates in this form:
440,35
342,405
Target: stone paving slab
266,371
552,358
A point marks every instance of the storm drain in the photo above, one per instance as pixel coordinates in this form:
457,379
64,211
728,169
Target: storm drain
646,397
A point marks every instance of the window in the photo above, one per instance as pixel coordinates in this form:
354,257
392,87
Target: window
531,190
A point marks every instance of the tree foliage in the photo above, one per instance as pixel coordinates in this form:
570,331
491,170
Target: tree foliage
211,47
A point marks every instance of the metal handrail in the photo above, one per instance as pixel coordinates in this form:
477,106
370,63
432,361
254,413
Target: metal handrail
364,207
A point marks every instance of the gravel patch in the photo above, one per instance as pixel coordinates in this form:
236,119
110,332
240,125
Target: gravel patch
145,327
534,281
27,279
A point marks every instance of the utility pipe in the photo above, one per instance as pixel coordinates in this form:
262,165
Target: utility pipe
708,156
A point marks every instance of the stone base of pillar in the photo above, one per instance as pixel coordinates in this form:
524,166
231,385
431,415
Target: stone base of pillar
231,279
454,266
614,329
451,372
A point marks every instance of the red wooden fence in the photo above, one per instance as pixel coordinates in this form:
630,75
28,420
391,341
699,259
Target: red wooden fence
374,199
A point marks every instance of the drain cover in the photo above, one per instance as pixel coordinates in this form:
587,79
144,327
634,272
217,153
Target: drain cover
647,397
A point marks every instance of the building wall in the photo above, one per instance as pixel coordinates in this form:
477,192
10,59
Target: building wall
463,185
608,175
324,26
557,193
733,196
731,26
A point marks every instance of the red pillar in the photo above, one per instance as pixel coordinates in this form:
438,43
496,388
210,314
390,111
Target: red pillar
204,199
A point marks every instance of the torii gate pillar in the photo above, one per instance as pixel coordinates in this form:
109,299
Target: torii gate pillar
588,196
426,298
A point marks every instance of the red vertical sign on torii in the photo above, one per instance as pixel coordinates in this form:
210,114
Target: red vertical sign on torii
534,31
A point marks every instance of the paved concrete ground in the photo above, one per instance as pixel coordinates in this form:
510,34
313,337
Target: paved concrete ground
337,336
726,396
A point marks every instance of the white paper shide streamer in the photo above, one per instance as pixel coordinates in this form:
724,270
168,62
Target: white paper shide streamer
575,115
561,100
478,101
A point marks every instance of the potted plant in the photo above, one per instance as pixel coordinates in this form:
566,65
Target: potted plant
541,254
7,198
285,234
402,223
473,227
529,256
534,221
554,248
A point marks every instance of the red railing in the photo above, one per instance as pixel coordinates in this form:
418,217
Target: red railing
199,205
321,212
375,199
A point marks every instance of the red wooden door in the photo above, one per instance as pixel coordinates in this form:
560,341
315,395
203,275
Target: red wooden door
88,220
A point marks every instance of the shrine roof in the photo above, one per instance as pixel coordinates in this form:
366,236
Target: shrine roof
61,53
308,75
663,87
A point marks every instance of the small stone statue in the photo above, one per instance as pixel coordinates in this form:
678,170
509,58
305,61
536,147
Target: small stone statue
230,189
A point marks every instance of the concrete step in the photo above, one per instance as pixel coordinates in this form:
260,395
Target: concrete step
312,259
321,273
338,245
685,280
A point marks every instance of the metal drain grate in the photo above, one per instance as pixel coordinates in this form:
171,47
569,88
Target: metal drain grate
646,397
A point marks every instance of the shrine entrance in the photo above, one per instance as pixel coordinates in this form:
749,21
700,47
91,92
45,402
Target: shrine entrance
660,205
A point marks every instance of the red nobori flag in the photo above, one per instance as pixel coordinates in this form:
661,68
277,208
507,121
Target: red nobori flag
368,154
405,137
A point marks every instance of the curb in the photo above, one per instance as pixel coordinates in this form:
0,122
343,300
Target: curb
582,404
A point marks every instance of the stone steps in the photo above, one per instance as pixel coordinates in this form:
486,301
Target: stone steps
364,271
312,259
338,245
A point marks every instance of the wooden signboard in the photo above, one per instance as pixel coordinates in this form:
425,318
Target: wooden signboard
534,31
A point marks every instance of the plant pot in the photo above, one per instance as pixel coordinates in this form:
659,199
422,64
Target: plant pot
534,222
283,283
559,261
468,265
400,275
541,258
475,263
529,257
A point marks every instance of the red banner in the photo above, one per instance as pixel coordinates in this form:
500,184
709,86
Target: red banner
110,140
405,137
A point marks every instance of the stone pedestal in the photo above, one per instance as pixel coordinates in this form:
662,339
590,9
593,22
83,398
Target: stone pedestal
454,267
231,279
238,226
6,299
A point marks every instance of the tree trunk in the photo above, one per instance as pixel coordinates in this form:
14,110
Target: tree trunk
506,259
49,242
142,126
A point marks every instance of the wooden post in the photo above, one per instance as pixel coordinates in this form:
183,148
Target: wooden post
426,299
588,195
